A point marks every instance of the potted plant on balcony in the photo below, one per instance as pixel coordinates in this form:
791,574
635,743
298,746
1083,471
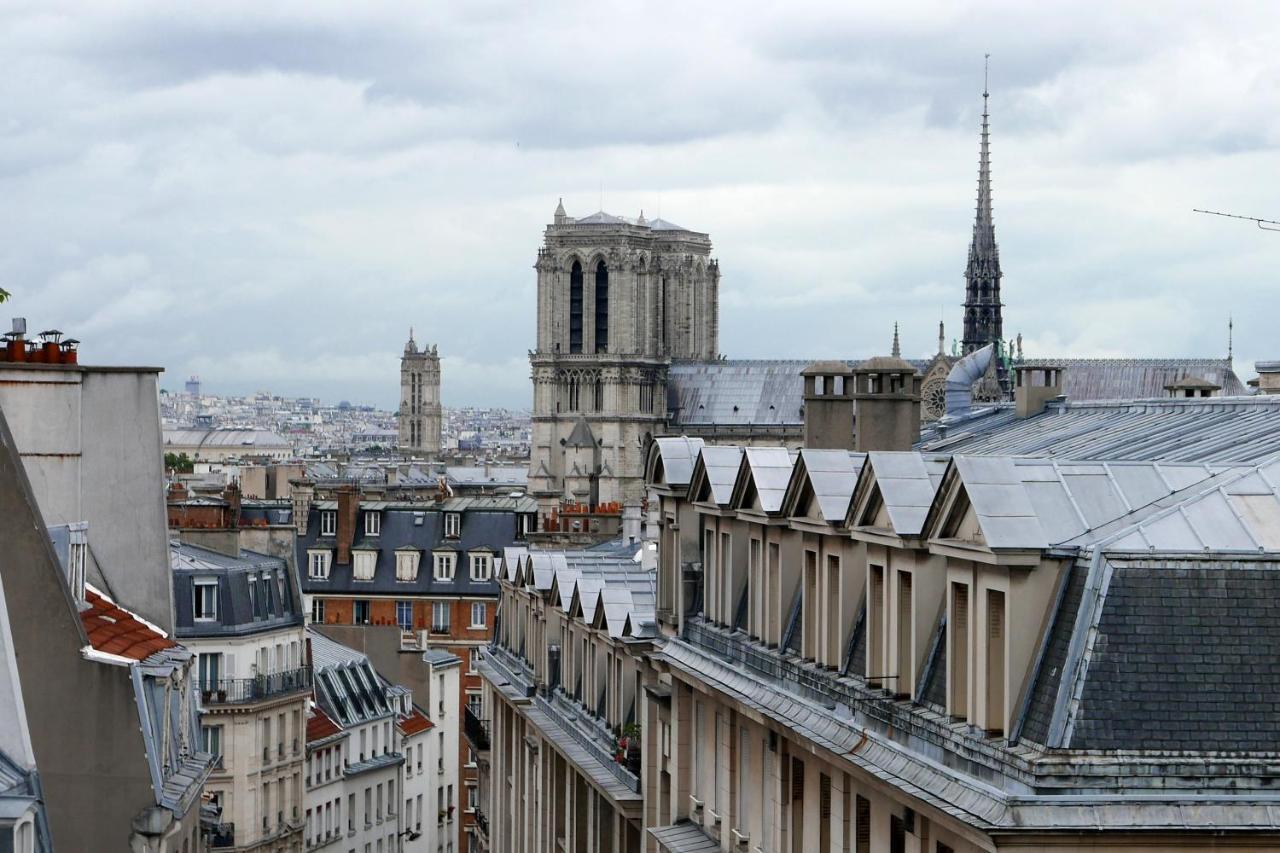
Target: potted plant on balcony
626,744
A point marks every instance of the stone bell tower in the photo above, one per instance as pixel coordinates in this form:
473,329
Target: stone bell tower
420,413
618,299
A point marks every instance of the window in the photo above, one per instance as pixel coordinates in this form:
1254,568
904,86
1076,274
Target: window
473,657
372,523
473,798
478,614
404,615
958,653
360,613
205,595
363,563
474,702
318,565
481,566
440,617
452,525
444,565
212,739
407,565
317,611
602,307
328,522
524,525
575,308
210,664
995,663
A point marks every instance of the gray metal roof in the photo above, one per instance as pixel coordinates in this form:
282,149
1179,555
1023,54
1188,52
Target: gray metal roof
907,483
678,454
1213,430
249,439
684,837
832,476
255,592
1132,378
767,470
347,687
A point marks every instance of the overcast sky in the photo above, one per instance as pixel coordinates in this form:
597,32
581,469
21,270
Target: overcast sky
269,194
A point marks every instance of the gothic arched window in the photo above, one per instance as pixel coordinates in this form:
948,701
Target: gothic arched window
602,307
575,308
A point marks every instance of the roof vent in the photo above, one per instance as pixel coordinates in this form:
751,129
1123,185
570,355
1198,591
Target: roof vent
418,518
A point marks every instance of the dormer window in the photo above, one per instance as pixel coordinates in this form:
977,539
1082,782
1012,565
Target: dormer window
363,564
205,599
328,522
318,565
407,565
372,523
452,525
524,525
77,557
481,567
445,562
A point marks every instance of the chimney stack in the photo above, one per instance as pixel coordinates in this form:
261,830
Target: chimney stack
1268,381
348,514
887,395
232,496
301,493
828,406
1034,386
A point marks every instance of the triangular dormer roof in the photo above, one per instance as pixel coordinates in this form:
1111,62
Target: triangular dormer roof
714,474
761,482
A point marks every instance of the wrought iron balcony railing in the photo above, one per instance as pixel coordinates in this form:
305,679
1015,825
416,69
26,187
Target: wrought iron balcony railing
476,730
235,691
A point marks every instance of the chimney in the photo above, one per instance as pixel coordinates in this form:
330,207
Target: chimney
232,496
348,514
1034,386
828,406
302,493
1268,381
887,395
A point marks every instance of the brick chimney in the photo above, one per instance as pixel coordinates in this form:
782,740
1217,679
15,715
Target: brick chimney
231,494
348,514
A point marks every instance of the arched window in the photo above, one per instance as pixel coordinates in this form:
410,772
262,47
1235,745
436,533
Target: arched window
602,307
575,308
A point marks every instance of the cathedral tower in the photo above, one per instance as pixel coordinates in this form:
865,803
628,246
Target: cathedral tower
982,321
420,414
618,299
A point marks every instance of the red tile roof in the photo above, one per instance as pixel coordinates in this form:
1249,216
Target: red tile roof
116,631
415,723
320,726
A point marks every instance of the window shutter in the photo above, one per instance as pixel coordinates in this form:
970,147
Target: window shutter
864,825
797,780
962,609
824,796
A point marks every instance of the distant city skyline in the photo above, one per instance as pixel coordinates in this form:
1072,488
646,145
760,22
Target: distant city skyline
272,198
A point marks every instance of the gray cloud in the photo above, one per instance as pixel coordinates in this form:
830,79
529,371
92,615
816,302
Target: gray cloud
270,194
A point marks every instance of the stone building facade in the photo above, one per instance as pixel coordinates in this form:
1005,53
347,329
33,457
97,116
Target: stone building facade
420,414
618,300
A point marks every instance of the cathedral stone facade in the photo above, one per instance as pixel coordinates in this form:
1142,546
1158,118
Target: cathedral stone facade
618,300
419,418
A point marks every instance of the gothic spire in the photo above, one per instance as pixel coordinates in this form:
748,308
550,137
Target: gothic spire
982,320
897,350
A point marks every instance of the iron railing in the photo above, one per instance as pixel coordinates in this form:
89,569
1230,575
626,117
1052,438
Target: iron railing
236,691
222,835
476,730
589,732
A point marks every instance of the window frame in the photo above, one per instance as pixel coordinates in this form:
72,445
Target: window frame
356,605
199,588
484,614
319,561
372,523
447,560
452,525
438,626
481,558
328,522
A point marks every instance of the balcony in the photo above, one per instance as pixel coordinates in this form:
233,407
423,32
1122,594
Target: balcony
482,825
591,733
239,691
476,730
222,836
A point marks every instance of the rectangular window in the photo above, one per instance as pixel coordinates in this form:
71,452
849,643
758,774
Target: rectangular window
862,826
905,669
360,612
210,664
328,522
205,595
404,615
452,525
372,523
958,653
876,668
407,565
995,662
473,657
318,565
481,567
212,740
317,611
364,564
479,612
440,617
444,562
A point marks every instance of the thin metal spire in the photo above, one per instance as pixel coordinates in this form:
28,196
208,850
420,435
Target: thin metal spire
897,350
1230,336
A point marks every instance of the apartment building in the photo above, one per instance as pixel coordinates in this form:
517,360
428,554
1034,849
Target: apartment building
87,592
907,651
241,615
382,772
564,697
424,567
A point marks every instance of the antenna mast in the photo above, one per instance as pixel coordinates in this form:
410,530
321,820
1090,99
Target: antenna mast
1262,223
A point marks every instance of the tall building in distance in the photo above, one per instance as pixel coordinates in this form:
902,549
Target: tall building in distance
618,300
420,413
982,321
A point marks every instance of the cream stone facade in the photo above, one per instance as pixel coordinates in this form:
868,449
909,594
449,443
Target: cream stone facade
618,299
420,416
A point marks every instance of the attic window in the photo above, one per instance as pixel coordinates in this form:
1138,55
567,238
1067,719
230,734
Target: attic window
452,525
372,523
418,518
205,599
328,522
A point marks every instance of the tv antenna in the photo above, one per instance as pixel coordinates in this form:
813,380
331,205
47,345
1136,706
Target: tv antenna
1262,223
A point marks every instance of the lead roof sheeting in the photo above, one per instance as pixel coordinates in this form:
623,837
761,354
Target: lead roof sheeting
678,454
721,464
770,472
684,837
1127,378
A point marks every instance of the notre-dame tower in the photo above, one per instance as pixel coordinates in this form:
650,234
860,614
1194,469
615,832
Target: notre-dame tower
618,299
420,413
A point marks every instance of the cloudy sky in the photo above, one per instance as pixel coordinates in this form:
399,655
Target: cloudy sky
269,194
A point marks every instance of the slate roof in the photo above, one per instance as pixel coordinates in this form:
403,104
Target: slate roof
418,527
113,630
1214,429
347,688
1044,691
1130,378
238,611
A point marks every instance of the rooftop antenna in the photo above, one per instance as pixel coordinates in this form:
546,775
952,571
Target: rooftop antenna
986,69
1262,223
1230,334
